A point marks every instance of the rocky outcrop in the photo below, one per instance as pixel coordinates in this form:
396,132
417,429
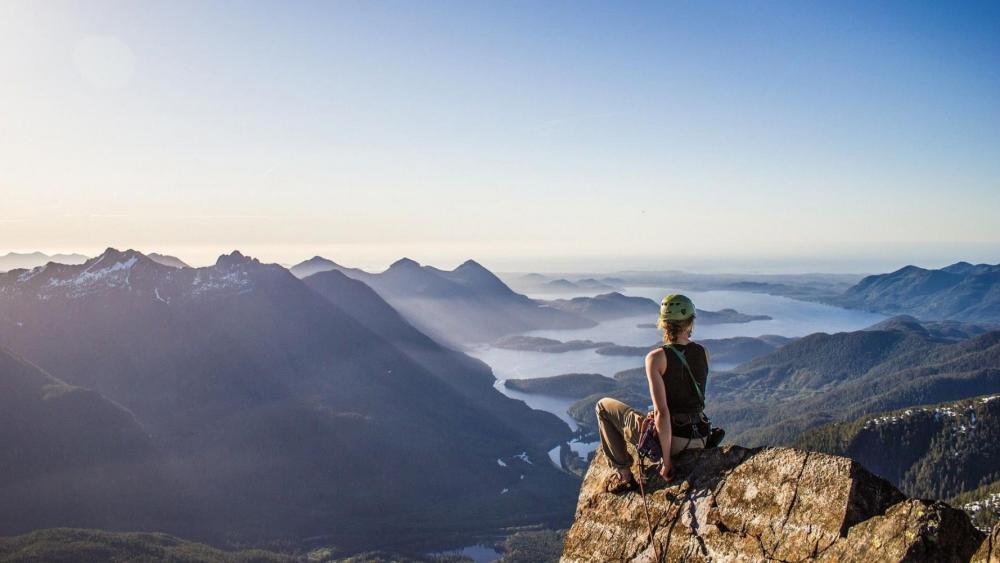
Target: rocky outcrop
768,504
989,551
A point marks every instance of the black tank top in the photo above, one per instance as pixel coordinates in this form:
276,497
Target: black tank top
681,396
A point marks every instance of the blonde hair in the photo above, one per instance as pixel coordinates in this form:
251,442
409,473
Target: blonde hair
672,330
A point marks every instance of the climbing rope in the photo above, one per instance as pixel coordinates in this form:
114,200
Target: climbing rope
645,509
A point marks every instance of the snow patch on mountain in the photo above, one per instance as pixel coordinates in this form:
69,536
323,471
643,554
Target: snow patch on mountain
26,276
213,280
939,413
111,275
135,273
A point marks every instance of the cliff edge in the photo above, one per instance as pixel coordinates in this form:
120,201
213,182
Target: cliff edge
767,504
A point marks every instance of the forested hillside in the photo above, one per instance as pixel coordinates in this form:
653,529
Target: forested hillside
982,505
935,451
826,378
960,292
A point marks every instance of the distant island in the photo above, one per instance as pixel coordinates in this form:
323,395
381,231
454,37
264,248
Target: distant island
539,283
589,284
605,307
548,345
735,350
720,317
572,385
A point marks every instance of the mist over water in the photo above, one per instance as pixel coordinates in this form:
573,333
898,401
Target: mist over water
790,318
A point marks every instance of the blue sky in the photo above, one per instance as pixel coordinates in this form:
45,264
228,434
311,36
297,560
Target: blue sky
535,135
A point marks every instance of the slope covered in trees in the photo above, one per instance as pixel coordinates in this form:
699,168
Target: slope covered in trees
935,451
825,378
960,292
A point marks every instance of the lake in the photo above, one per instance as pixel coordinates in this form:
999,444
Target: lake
789,318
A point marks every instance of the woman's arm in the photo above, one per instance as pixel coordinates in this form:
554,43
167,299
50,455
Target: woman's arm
656,365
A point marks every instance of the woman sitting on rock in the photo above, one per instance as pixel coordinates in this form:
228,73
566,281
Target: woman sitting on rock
676,373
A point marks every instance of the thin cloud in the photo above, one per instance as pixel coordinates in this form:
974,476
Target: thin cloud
222,217
97,216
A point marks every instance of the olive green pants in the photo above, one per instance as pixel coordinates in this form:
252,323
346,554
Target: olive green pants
619,426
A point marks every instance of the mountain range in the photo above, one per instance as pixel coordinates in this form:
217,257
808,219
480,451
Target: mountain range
276,412
960,292
14,260
463,306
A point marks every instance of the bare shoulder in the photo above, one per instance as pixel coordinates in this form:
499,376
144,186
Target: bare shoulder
656,357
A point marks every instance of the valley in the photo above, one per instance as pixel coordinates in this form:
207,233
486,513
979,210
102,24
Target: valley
268,355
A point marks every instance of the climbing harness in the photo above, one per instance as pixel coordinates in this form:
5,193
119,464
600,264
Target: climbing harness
649,439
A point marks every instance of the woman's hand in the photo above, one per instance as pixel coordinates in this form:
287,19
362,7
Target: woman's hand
667,469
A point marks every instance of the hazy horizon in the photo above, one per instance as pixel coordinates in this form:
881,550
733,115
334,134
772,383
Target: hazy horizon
862,261
529,136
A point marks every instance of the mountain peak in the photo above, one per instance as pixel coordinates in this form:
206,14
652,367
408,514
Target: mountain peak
167,260
471,264
113,255
902,323
315,265
909,268
234,258
110,252
404,263
964,268
472,273
316,261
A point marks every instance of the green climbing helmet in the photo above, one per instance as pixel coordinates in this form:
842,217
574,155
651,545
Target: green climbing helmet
676,307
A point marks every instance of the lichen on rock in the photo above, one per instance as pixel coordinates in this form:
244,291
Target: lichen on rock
767,504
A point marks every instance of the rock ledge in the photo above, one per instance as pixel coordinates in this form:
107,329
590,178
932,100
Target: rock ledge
767,504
